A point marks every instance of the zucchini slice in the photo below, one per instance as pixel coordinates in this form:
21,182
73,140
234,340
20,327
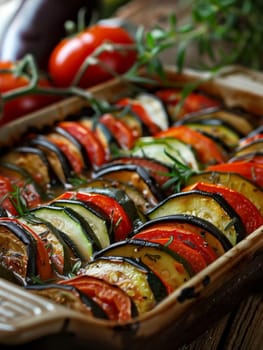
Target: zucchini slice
205,229
248,156
164,150
96,219
240,122
234,181
254,146
209,206
69,297
170,267
132,276
219,129
75,230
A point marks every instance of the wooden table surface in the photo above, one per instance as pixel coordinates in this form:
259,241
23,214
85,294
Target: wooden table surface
242,328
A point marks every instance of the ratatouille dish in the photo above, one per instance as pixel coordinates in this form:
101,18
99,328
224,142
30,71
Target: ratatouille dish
109,214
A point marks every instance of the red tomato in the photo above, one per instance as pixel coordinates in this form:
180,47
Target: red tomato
192,256
249,139
5,190
114,301
173,233
247,211
121,222
249,169
207,150
74,157
68,56
121,131
194,102
140,111
93,146
20,106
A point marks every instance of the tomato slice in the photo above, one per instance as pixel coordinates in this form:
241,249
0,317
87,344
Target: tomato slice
114,301
192,256
249,169
194,102
141,112
250,139
73,155
248,212
30,192
88,139
5,190
207,150
119,129
171,233
121,223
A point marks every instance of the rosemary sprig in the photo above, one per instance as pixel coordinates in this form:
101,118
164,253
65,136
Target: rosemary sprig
18,201
225,31
179,174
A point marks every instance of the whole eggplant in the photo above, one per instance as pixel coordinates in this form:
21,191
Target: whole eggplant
36,26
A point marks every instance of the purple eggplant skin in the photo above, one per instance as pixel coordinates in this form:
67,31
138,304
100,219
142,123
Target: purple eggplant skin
38,25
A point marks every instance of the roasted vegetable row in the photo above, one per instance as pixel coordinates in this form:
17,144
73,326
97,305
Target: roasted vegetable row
110,214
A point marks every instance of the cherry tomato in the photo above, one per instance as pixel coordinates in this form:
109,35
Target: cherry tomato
68,56
22,105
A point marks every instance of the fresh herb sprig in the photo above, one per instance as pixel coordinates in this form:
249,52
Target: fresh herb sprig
179,174
232,32
225,31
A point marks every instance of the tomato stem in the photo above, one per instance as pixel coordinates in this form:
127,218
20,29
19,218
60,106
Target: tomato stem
28,66
93,59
